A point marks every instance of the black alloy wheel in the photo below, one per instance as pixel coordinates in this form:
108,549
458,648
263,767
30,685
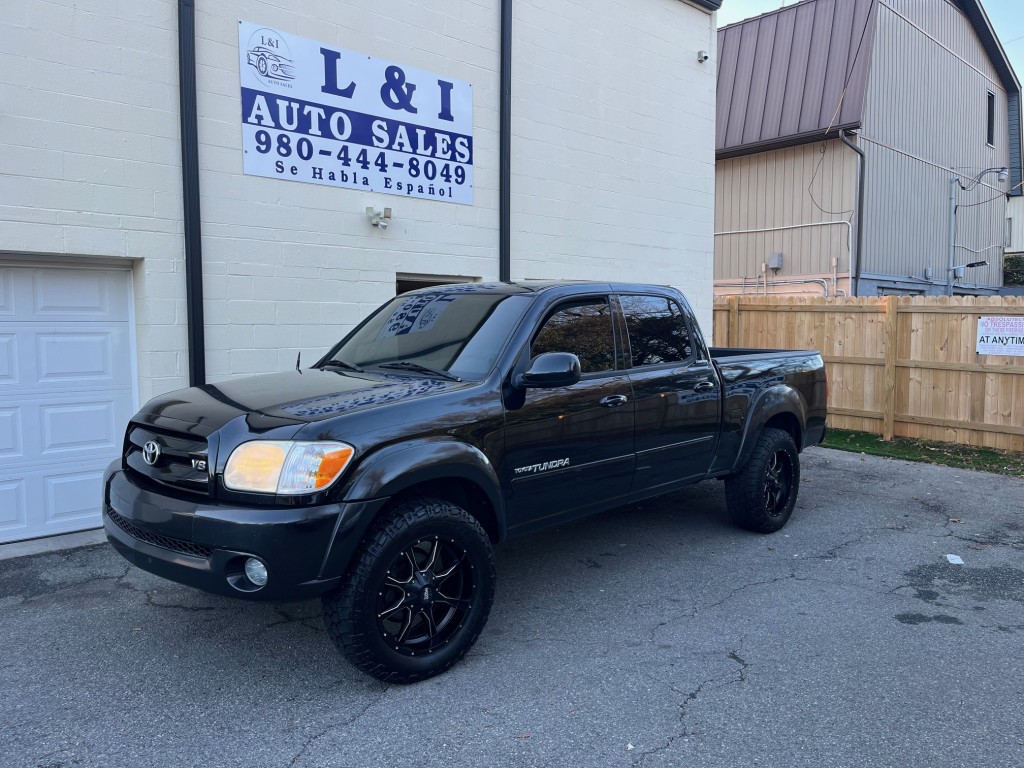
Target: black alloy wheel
418,593
761,495
778,482
426,596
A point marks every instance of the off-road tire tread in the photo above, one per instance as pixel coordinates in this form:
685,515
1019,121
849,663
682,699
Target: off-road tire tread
744,492
342,604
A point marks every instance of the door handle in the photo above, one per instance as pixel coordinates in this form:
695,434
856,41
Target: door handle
613,401
703,386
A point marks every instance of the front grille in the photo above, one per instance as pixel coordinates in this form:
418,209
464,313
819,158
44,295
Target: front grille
164,542
181,458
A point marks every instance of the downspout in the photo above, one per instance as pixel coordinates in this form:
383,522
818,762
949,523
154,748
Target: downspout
190,192
856,269
505,148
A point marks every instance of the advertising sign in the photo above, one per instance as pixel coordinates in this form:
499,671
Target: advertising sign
321,114
1001,335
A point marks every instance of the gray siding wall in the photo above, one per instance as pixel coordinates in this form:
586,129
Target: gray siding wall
782,188
1015,223
925,121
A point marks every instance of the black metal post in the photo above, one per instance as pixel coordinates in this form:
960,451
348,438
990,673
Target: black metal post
505,148
190,192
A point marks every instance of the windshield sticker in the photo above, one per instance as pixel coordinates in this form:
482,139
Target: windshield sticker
416,314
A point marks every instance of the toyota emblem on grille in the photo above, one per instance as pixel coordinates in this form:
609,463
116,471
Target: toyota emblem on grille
151,452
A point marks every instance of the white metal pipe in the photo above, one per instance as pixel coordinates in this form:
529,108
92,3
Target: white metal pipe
847,224
757,285
953,182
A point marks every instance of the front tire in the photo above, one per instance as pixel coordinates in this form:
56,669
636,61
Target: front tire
418,595
761,496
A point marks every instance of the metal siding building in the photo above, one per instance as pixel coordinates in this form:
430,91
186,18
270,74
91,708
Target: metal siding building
907,82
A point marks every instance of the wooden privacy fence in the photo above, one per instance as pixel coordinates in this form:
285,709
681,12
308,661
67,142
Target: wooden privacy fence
897,365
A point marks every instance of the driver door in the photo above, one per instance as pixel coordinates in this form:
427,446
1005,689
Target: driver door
569,450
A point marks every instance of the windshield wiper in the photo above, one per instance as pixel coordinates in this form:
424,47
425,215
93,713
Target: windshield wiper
343,364
405,365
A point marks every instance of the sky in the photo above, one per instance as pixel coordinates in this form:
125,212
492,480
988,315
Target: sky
1007,17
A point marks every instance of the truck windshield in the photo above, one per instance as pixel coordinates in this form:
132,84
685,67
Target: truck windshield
458,333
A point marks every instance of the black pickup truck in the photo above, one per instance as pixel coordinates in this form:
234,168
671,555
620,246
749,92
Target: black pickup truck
448,421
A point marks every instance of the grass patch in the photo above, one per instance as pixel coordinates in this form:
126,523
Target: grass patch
948,454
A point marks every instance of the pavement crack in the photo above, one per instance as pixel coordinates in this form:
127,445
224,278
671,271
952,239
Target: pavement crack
689,697
334,726
744,588
744,665
152,603
305,621
833,553
684,731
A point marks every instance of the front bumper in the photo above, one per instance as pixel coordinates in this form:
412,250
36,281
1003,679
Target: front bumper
203,544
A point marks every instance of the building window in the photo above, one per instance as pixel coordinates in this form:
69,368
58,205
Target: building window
991,119
406,282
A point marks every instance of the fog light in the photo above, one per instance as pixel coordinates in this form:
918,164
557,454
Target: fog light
256,571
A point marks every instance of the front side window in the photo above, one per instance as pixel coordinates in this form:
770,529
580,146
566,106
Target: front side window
583,328
657,330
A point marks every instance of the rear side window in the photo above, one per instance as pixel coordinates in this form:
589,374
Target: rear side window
583,328
657,330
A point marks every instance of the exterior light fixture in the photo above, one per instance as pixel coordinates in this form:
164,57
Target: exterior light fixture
958,271
379,219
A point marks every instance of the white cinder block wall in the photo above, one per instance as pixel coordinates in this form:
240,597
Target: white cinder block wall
613,162
90,161
292,266
613,124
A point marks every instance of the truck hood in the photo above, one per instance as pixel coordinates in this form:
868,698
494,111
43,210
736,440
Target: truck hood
295,397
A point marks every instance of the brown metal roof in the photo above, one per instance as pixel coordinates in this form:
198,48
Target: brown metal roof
786,76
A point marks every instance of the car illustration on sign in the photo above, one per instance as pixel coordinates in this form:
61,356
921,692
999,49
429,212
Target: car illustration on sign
270,63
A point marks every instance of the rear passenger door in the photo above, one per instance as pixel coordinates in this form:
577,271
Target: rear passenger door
676,393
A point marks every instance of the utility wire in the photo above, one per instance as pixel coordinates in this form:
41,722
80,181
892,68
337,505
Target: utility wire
849,71
839,106
981,202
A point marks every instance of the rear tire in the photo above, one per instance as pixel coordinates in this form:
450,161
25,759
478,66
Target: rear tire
418,595
761,496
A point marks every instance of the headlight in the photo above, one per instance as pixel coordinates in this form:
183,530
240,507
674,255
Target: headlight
286,467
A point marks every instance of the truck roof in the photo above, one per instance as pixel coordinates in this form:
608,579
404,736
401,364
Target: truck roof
532,287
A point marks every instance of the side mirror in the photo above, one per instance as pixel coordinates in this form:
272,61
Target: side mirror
552,369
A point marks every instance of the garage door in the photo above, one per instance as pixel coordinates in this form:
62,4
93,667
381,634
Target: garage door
66,392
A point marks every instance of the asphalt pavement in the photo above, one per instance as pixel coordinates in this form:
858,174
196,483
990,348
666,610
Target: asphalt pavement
654,635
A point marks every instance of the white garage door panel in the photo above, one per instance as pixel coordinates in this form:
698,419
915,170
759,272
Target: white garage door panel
6,292
83,425
63,357
62,427
10,434
8,358
12,508
74,356
66,392
85,295
71,498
